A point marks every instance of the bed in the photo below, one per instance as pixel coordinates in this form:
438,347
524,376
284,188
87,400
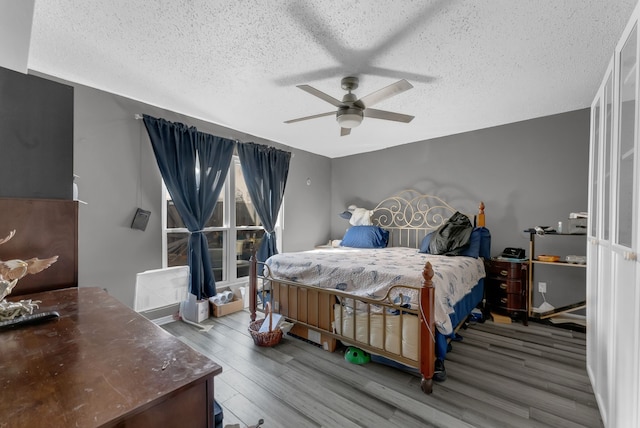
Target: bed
397,303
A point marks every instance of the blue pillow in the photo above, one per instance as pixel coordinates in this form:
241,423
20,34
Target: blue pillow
365,237
473,250
424,245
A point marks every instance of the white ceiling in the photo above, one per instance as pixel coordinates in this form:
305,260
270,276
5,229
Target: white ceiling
473,64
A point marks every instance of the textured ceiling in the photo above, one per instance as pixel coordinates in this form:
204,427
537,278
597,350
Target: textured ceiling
473,64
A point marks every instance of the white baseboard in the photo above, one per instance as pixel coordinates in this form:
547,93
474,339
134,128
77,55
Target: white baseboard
163,320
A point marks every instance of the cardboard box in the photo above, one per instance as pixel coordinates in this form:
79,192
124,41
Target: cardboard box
327,342
235,305
194,310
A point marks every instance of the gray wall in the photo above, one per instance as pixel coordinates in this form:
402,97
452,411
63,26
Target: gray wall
118,173
527,173
36,127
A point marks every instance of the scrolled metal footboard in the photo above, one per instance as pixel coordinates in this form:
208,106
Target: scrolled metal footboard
354,320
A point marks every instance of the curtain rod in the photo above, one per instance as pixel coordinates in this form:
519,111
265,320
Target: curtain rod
138,116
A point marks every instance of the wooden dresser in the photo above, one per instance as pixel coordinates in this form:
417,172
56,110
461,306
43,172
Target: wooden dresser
506,287
100,364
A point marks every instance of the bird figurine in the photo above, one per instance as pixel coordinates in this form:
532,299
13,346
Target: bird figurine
16,269
13,270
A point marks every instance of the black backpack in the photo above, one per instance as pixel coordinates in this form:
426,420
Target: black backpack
452,238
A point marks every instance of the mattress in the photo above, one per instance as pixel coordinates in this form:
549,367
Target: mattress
399,336
371,272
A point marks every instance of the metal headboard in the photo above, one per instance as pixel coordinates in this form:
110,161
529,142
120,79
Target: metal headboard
410,215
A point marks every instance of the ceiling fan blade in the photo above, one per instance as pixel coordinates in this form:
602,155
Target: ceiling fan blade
321,95
384,93
310,117
387,115
345,131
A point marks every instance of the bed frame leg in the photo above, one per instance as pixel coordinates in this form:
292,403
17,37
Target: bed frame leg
427,330
426,385
253,285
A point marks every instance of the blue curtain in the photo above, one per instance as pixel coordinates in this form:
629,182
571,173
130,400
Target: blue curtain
177,149
265,170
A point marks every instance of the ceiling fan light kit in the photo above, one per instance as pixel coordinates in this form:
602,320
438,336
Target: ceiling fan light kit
349,117
352,110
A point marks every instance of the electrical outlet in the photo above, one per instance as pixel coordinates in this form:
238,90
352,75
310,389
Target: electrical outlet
542,287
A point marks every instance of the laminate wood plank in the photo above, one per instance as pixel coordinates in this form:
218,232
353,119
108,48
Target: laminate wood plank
480,413
486,356
203,346
247,347
554,352
498,376
238,321
371,404
573,358
459,382
280,391
275,406
538,378
348,407
400,419
558,370
524,394
538,360
532,339
533,327
353,376
415,408
358,376
532,330
513,360
555,421
227,397
230,418
586,398
250,409
225,336
224,390
228,343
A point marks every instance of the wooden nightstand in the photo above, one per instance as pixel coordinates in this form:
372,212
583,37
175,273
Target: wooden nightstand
506,287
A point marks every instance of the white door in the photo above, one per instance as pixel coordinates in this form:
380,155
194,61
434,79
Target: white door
599,296
626,329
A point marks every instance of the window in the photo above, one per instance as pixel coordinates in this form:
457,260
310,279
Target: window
233,230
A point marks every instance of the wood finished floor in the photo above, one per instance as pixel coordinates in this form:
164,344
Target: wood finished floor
499,375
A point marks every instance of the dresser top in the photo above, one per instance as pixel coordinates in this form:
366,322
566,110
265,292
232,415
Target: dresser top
97,362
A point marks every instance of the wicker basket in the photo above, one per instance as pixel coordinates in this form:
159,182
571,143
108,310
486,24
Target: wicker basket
266,338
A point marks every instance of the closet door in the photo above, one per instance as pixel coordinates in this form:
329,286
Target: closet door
624,400
592,244
599,300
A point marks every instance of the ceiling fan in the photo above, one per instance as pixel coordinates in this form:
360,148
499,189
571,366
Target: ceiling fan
352,110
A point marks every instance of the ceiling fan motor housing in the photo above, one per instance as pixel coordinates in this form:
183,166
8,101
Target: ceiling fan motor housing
349,83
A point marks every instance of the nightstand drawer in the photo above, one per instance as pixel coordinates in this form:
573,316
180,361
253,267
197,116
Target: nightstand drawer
504,270
506,285
512,302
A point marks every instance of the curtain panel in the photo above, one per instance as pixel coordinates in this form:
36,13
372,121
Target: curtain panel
179,152
265,170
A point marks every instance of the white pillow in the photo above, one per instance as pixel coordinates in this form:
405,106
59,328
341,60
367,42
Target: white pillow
360,217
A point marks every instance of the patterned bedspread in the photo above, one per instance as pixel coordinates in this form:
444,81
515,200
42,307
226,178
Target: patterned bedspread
370,272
